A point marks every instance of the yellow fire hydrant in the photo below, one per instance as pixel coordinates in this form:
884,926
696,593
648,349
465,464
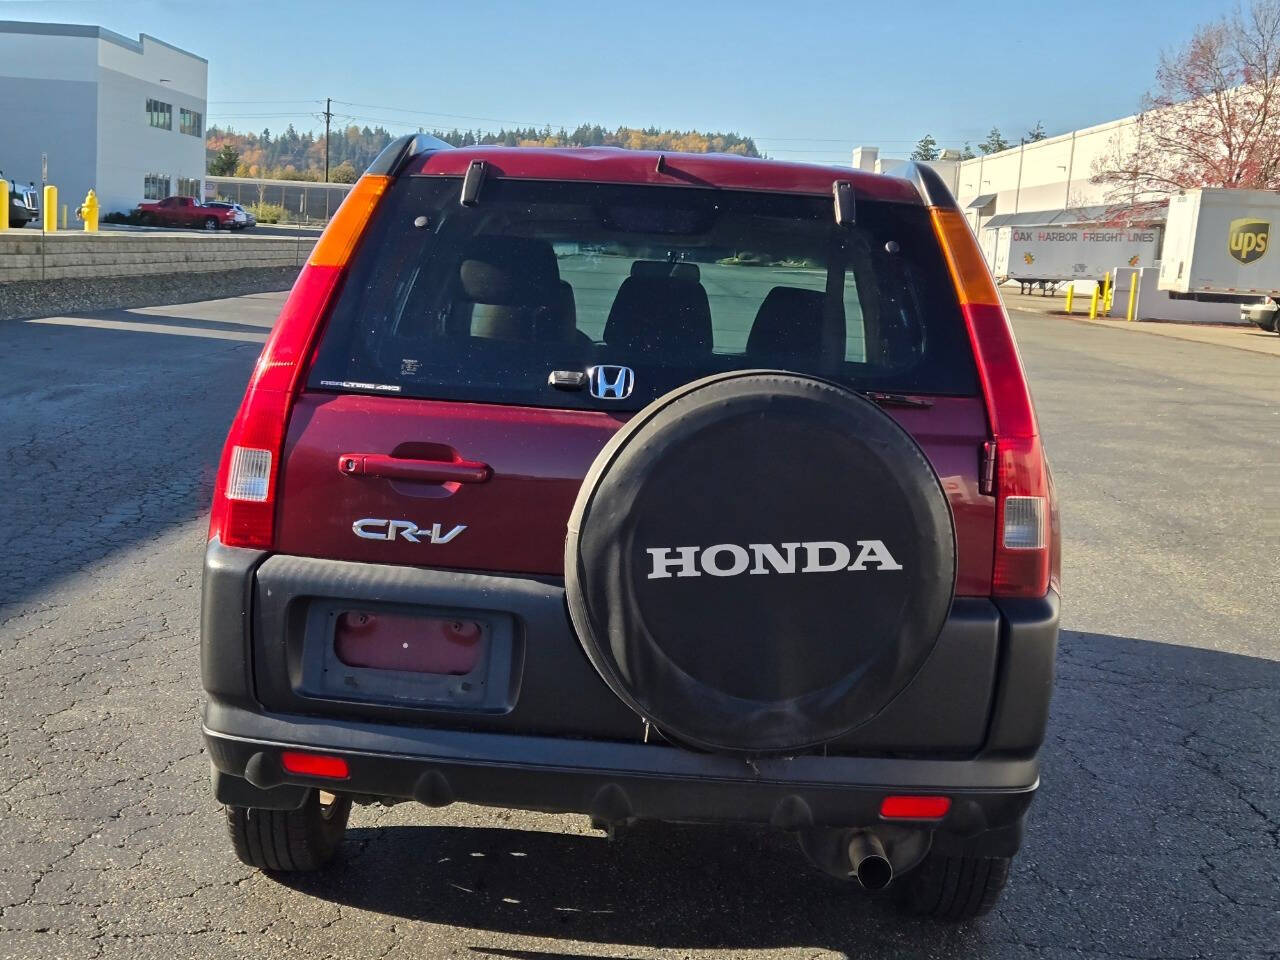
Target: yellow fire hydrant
88,212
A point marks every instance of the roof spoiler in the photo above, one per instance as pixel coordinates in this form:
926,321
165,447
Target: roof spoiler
933,191
401,150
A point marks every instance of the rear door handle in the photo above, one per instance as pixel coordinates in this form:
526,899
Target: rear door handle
427,471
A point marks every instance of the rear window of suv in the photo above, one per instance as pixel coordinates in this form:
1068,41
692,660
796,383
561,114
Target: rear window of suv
484,303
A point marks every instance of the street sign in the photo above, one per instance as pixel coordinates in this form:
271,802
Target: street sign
44,168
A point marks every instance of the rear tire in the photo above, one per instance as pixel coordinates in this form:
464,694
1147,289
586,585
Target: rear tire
953,888
211,223
290,841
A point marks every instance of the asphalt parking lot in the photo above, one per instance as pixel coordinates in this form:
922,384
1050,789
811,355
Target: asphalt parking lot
1156,833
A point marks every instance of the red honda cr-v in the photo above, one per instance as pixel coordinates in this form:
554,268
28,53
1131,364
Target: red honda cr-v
646,486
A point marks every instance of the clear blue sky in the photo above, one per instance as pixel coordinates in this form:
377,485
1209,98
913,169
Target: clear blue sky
808,80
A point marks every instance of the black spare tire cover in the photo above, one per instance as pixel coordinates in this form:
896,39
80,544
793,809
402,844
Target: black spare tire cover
759,562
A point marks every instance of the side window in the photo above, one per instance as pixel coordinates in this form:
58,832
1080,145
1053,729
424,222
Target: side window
160,114
155,186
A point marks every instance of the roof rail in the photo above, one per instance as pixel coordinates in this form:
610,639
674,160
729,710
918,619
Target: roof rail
400,150
933,191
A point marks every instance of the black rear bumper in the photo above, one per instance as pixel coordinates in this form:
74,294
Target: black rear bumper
614,775
610,781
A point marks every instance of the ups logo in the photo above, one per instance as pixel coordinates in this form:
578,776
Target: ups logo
1247,239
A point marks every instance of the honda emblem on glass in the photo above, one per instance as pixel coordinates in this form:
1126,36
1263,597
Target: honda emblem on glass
611,383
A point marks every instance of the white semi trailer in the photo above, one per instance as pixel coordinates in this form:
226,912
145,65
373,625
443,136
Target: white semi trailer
1032,254
1217,245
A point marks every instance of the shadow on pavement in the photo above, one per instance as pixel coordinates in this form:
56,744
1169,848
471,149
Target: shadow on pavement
110,438
1133,759
662,885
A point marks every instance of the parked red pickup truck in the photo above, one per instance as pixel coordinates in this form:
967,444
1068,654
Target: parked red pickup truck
186,212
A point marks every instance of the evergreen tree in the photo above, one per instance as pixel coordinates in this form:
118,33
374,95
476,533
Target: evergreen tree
926,148
225,161
994,143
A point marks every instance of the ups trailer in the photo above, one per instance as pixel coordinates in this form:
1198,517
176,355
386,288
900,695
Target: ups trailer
1217,246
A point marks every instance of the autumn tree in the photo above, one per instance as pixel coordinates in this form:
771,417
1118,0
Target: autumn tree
345,172
294,155
926,148
1213,118
994,143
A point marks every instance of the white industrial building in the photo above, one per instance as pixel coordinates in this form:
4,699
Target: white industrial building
124,117
1048,181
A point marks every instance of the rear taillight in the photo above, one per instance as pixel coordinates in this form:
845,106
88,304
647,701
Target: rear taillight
1024,547
245,493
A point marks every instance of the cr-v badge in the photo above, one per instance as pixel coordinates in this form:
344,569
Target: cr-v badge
374,529
611,383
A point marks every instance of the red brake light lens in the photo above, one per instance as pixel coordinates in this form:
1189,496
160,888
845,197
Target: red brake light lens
244,496
314,765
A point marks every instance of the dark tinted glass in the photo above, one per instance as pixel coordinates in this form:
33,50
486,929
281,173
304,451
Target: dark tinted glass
483,303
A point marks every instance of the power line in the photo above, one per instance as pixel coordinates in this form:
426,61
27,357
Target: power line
252,116
432,117
263,101
452,116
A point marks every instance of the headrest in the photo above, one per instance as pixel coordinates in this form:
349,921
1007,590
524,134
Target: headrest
788,325
511,271
660,314
664,268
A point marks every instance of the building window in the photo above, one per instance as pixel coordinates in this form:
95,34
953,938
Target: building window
155,186
188,187
160,114
189,121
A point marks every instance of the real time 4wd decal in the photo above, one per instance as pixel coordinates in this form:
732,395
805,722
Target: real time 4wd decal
1247,239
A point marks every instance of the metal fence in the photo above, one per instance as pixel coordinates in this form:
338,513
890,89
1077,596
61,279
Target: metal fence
302,201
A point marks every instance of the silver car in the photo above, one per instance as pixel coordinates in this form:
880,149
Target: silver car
242,219
1264,314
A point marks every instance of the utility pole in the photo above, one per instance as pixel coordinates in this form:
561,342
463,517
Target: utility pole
328,114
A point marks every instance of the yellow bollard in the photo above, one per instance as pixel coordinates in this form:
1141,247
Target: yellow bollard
1133,296
50,209
64,216
88,212
1093,304
1071,296
1106,294
4,204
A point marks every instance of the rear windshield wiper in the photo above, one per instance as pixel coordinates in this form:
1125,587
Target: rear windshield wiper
897,400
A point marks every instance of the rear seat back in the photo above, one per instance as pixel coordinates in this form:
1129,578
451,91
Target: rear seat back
509,288
660,315
788,328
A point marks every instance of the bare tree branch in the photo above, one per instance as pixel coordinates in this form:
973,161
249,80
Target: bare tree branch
1213,118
